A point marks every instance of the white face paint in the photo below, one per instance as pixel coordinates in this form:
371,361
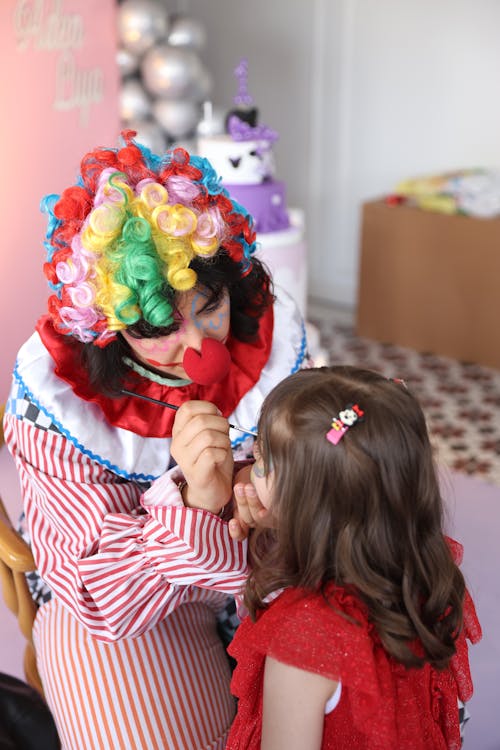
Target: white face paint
195,324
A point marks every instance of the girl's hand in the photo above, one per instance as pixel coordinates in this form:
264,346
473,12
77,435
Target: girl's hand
202,449
248,511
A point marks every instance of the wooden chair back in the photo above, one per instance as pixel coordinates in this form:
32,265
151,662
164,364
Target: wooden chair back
16,559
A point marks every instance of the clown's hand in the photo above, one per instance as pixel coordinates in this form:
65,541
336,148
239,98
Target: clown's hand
202,450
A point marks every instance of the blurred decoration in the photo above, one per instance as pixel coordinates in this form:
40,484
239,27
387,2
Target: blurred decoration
141,23
186,32
202,87
163,79
171,72
135,104
150,134
127,62
213,121
176,116
471,192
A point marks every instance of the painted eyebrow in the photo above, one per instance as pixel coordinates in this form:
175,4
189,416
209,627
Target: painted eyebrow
211,302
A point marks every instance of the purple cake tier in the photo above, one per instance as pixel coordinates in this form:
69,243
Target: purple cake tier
265,202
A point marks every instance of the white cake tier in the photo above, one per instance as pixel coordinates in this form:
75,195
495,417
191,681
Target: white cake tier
238,162
285,254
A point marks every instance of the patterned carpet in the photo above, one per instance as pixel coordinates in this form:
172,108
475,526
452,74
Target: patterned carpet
461,400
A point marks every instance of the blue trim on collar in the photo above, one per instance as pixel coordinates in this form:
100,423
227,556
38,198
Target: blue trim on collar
302,352
104,462
94,456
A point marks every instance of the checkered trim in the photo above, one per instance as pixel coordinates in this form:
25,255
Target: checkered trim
20,405
40,592
227,622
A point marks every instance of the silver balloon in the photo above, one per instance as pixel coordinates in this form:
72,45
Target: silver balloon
171,72
202,86
187,32
134,102
178,117
150,134
141,23
127,62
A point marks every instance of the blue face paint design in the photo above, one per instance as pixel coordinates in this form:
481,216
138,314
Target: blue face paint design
199,318
258,471
214,326
258,465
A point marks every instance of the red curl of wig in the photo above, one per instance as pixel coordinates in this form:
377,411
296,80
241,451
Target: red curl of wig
179,165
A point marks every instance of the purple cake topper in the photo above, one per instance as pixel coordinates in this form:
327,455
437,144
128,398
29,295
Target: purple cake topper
242,131
241,73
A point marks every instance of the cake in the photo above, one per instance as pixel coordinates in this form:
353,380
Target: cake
243,157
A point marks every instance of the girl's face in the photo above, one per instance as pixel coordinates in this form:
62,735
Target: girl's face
262,482
196,322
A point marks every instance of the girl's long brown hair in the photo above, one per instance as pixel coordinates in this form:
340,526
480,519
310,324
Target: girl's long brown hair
366,514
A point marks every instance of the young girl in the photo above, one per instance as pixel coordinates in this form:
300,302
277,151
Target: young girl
358,613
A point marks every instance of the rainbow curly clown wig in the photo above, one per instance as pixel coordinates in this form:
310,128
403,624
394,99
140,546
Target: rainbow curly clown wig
120,242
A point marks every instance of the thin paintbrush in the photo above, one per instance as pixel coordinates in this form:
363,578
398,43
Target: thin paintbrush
174,407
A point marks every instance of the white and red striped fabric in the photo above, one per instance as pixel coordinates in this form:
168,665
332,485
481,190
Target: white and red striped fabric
167,688
127,647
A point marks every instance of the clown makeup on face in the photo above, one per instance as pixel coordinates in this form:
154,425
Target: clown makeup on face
196,319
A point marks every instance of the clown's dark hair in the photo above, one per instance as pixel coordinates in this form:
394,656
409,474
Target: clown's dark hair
250,296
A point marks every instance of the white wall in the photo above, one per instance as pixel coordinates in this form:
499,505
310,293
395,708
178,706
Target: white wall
364,93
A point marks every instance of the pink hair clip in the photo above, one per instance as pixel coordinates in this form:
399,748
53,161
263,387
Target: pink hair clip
346,418
400,381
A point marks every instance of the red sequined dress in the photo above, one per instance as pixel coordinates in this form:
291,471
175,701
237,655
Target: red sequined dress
383,705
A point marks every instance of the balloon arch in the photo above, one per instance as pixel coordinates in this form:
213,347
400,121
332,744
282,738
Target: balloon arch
163,79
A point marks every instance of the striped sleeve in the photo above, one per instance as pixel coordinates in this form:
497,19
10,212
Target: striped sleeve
118,568
193,545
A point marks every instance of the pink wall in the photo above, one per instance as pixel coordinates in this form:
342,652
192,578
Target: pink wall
59,100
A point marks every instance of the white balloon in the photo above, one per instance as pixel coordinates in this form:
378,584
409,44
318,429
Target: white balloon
149,134
141,23
134,102
177,117
187,32
171,72
127,62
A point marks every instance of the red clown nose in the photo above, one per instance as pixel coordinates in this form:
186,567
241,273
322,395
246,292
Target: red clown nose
209,366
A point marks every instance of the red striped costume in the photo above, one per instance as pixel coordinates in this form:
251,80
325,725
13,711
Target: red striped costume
127,647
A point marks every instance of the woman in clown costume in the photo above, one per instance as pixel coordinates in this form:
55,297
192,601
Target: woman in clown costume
156,294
